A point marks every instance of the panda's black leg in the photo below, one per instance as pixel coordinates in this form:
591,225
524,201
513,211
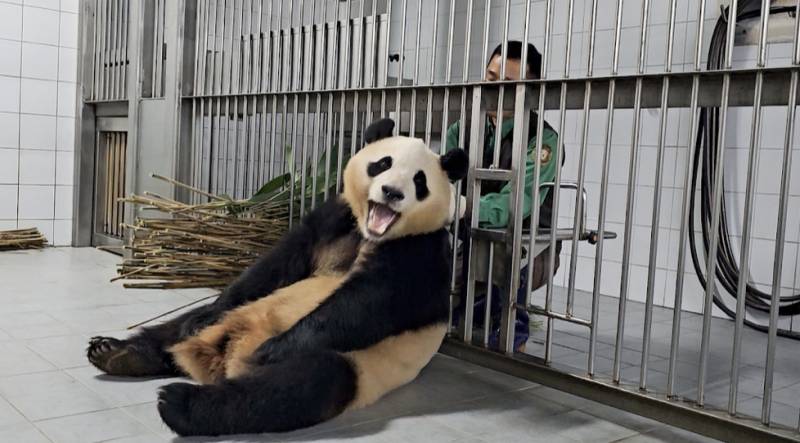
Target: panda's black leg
292,394
145,354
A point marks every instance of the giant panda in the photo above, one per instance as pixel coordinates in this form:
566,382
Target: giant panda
351,304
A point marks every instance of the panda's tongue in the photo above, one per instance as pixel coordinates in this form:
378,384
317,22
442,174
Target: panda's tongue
380,219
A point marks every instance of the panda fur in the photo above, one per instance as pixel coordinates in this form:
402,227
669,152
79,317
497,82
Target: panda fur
351,304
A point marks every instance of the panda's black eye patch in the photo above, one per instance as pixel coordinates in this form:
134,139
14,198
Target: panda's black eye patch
421,185
375,168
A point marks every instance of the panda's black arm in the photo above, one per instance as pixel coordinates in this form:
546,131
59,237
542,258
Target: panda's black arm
403,287
291,259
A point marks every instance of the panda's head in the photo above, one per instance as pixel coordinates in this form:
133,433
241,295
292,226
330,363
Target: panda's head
397,187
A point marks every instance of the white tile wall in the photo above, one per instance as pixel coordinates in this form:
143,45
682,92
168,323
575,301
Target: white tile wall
38,66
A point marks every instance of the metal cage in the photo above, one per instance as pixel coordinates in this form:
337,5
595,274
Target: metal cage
228,94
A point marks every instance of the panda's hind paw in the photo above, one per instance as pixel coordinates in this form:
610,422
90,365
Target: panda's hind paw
102,350
181,406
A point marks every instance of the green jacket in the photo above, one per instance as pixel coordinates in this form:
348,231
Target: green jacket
493,211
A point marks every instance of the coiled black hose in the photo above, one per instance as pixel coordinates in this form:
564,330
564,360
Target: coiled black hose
727,271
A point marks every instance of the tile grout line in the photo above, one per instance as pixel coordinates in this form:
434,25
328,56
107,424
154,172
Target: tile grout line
55,153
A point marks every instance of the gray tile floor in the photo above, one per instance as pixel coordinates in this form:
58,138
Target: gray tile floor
54,300
571,344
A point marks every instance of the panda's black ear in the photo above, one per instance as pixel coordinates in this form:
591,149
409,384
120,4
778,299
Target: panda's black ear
378,129
455,164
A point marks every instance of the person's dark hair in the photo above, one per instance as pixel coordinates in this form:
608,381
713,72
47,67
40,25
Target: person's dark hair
514,52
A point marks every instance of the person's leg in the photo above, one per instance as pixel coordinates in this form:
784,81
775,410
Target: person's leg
522,322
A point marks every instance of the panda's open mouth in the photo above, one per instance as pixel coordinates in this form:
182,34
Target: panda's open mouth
380,218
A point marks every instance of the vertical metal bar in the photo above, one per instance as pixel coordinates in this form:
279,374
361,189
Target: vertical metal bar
601,221
752,167
448,77
124,51
261,147
577,224
277,53
114,36
198,27
272,135
520,139
304,159
245,46
198,122
630,200
415,78
221,49
716,208
315,150
342,98
265,36
255,39
328,146
385,81
477,129
225,150
202,85
500,107
553,222
292,162
227,77
216,129
687,194
358,63
354,132
236,47
400,70
97,51
652,263
103,50
196,159
487,313
348,37
118,50
159,80
429,113
235,115
211,87
461,130
154,67
780,235
534,216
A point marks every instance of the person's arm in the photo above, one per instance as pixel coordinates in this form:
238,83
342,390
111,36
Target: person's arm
494,207
451,139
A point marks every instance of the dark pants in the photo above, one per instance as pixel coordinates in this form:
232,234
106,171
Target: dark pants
522,321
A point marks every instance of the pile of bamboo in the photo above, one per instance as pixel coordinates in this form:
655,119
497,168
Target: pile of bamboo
22,239
198,245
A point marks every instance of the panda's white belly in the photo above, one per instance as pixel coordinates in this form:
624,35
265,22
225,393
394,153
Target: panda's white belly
393,362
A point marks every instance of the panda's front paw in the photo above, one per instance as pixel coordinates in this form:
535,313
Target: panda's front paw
181,405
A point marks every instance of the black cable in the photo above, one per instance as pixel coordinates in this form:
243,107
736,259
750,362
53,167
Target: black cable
727,271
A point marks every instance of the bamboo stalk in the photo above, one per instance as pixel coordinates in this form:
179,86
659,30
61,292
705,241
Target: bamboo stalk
198,245
22,239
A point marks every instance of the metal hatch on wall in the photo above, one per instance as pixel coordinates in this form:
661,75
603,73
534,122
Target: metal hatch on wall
109,185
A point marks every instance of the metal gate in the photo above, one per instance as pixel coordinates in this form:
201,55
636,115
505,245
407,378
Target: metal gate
643,94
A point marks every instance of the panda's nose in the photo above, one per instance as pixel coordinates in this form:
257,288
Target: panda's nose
392,194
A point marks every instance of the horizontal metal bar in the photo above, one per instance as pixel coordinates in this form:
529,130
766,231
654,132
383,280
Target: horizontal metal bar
493,174
538,310
715,424
776,83
542,235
